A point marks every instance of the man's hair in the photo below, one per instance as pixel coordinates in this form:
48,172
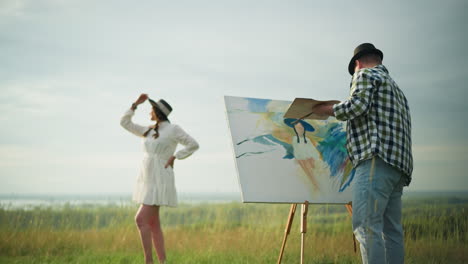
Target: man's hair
370,58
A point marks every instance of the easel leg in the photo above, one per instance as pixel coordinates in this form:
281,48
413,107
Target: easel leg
292,211
305,206
349,207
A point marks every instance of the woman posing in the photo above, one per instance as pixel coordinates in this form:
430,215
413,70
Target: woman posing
155,185
304,151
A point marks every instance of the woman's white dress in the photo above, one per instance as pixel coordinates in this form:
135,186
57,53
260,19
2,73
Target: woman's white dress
303,150
155,184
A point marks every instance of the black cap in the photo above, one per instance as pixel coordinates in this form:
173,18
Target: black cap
361,50
161,105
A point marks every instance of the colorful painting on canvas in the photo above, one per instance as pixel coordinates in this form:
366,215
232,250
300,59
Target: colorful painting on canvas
287,160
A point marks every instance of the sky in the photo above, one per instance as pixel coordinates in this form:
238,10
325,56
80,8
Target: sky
71,68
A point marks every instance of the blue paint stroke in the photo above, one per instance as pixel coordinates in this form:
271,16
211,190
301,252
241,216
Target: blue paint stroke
251,153
346,181
335,154
332,148
269,140
257,105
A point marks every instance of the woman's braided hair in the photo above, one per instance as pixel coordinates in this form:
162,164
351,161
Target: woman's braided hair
161,117
297,135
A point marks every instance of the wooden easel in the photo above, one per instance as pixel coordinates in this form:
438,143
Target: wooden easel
304,209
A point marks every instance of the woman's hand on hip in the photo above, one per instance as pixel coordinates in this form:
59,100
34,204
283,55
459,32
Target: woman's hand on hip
170,162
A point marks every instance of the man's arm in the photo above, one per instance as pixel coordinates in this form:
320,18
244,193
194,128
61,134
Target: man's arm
324,109
357,105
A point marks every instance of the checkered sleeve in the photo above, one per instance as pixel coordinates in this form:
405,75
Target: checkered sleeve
362,90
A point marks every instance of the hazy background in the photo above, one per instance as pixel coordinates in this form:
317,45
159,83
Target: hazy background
69,69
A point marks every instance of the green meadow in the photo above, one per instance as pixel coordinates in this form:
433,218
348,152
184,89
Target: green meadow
435,232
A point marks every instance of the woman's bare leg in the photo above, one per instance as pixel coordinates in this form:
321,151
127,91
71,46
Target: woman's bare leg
158,237
143,219
308,171
310,164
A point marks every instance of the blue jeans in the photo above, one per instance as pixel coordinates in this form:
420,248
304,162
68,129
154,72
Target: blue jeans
377,225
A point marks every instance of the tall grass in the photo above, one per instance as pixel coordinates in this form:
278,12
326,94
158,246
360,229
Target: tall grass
435,232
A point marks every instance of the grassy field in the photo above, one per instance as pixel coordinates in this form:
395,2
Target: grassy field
435,231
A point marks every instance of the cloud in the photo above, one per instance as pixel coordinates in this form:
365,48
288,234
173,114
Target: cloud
12,8
34,99
20,156
440,153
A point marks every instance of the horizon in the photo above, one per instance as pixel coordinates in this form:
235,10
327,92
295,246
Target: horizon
184,194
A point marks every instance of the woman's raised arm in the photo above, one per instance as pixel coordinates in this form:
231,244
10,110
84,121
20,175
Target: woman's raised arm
126,119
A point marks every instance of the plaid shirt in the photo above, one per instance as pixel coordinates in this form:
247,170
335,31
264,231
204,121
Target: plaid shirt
378,120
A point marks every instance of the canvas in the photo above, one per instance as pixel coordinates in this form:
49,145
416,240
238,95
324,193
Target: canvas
284,160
